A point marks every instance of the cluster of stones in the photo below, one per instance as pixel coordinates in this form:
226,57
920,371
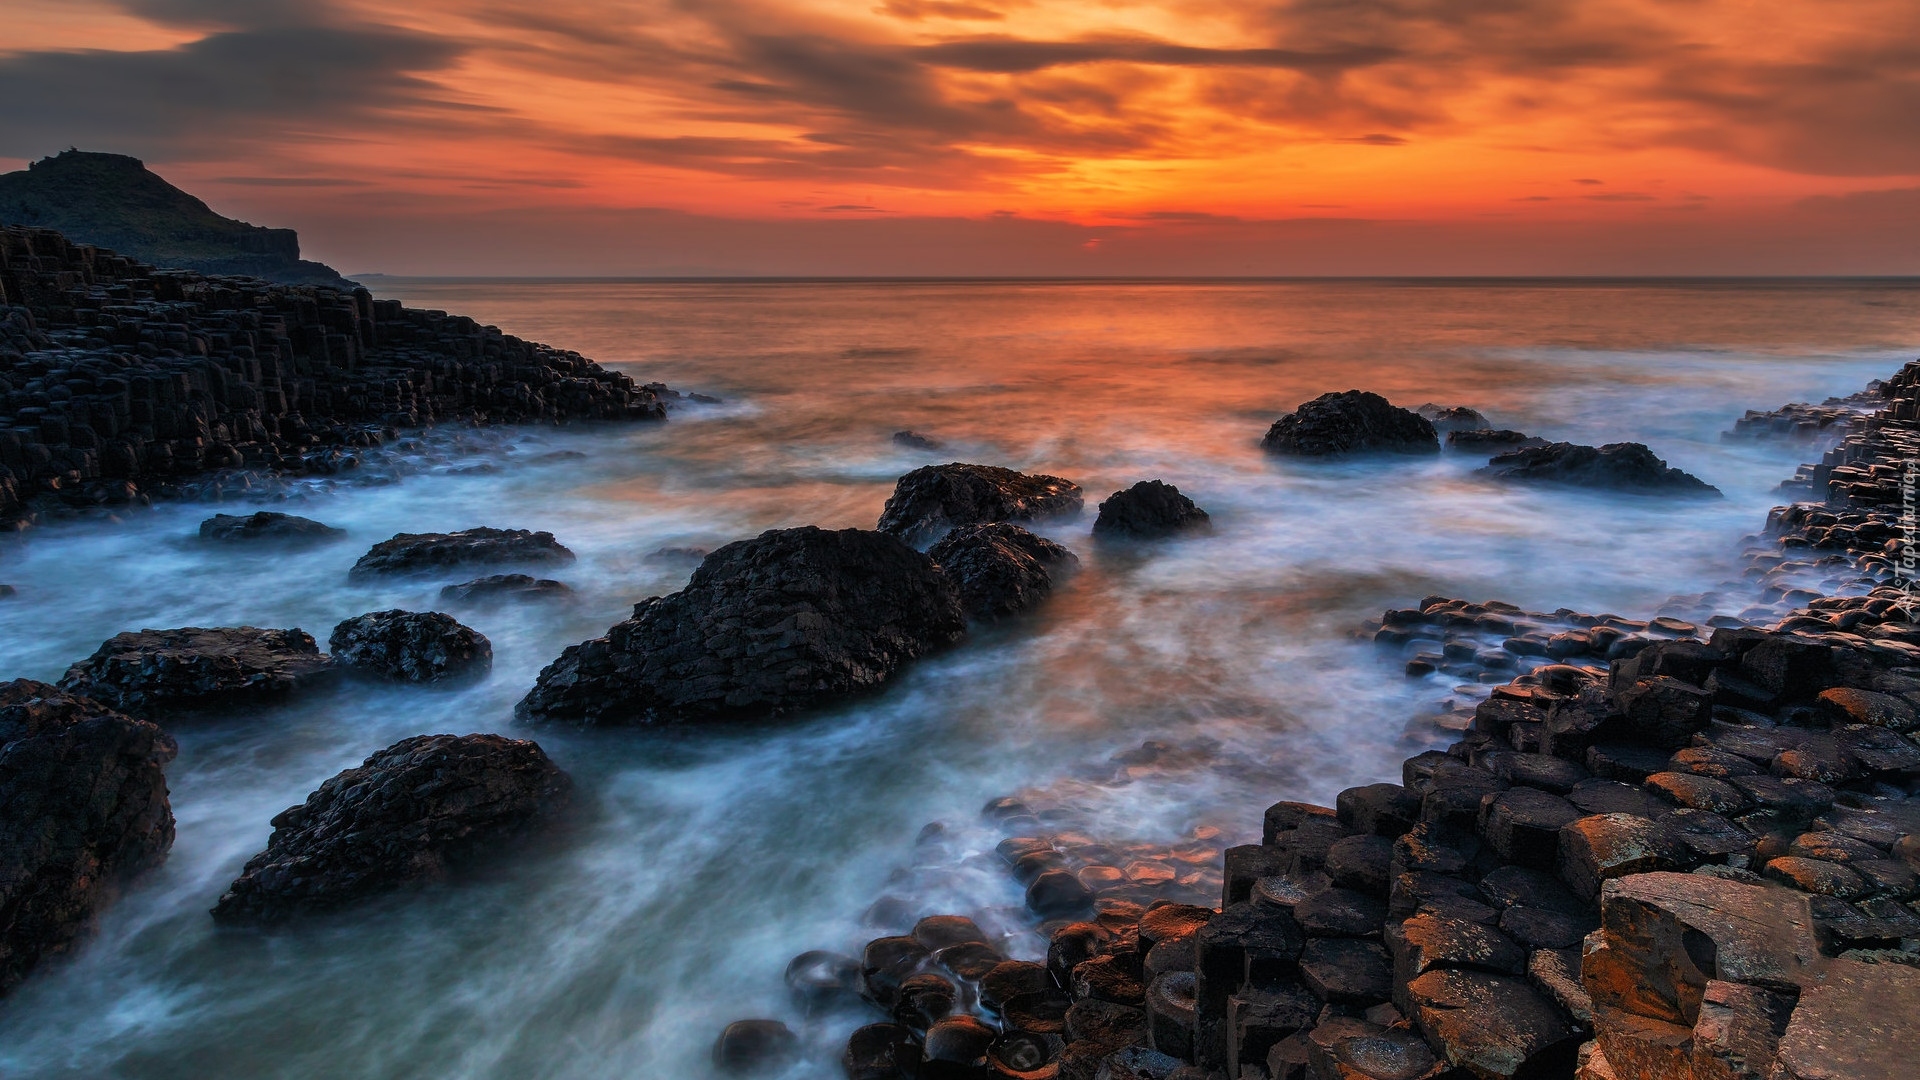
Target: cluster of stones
118,380
798,618
1592,859
1357,422
1858,484
81,762
1802,422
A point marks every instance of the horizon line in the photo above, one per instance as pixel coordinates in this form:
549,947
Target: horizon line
1124,279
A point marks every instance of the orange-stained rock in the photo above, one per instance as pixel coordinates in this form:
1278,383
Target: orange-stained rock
1643,1048
1600,847
1665,936
1738,1034
1494,1026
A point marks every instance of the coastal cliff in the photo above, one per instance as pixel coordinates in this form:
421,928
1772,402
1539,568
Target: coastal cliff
117,378
115,201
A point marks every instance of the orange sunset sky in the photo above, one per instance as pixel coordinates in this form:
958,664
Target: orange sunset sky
1007,136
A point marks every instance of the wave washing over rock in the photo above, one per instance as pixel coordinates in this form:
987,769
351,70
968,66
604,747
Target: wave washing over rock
1673,843
1648,856
119,380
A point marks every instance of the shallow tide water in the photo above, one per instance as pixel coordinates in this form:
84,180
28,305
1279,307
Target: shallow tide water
701,860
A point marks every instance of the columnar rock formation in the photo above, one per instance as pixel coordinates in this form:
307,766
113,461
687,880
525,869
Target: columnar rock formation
1649,856
117,379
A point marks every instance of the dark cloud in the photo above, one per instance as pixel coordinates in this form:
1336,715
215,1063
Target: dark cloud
208,97
1008,55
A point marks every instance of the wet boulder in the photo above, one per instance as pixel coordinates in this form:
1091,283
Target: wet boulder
410,646
408,816
931,500
418,553
1000,569
1450,418
505,587
144,671
913,440
755,1048
85,808
1349,422
267,527
1615,466
1148,509
790,619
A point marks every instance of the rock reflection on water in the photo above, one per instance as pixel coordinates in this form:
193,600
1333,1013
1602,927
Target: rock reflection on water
1164,697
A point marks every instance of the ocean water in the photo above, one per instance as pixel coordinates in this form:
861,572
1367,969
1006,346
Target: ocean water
701,860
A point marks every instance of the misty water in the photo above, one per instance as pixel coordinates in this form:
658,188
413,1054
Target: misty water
701,859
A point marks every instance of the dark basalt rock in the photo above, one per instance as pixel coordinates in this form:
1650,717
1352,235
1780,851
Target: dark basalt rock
1615,466
1494,439
1447,419
790,619
414,553
913,440
505,587
755,1048
269,527
410,646
931,500
406,817
999,568
1353,421
154,670
171,379
1148,509
85,808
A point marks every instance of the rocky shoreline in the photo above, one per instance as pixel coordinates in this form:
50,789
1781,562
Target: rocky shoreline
1679,846
119,382
1658,849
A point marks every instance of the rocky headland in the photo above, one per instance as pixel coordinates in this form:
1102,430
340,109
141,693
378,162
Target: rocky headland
120,382
114,201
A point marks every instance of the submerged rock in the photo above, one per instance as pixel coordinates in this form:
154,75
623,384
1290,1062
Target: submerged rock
931,500
1496,440
913,440
755,1048
504,587
1619,466
85,807
1147,509
267,526
1352,421
1447,419
407,816
1000,569
789,619
423,646
146,670
412,553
